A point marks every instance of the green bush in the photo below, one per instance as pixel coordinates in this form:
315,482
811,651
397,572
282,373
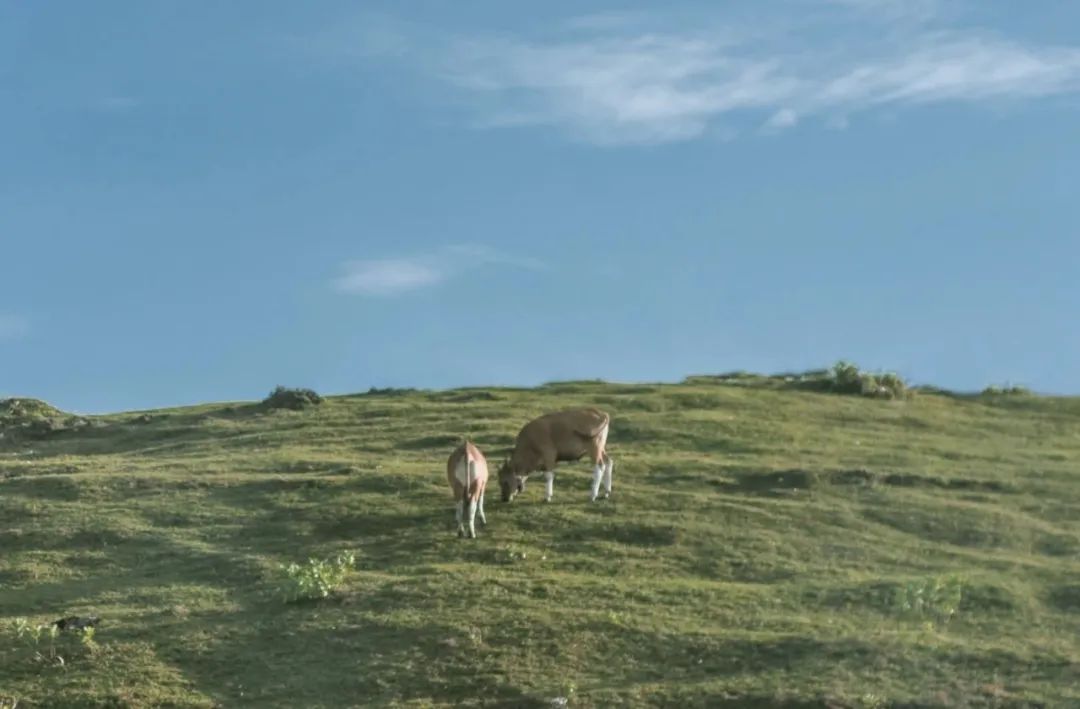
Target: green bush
20,410
315,579
295,399
847,378
1007,390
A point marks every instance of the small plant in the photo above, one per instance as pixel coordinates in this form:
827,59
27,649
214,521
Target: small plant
509,555
46,644
567,697
935,599
315,579
871,701
86,638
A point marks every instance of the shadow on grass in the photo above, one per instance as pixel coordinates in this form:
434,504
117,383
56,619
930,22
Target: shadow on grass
770,483
292,656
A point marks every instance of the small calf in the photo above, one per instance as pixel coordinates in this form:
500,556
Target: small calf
467,473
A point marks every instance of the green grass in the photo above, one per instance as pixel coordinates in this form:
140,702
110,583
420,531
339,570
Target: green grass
766,546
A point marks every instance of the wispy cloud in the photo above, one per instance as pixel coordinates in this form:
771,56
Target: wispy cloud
396,276
609,80
387,276
12,326
784,118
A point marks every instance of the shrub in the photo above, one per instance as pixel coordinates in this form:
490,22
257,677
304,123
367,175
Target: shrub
20,410
847,378
391,391
294,399
1007,390
315,579
33,418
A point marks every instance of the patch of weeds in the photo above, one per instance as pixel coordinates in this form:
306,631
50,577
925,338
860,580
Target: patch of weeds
871,701
566,695
509,555
316,579
934,599
51,645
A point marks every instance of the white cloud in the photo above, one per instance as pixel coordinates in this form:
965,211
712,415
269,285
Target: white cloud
12,326
608,80
386,277
837,123
396,276
784,118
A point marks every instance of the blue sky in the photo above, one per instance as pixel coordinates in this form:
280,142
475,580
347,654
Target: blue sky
199,201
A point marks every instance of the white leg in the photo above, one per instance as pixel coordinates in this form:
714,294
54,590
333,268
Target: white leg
597,474
470,517
609,466
549,485
483,519
459,509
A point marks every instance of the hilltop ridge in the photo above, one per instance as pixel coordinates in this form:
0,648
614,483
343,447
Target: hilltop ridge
769,543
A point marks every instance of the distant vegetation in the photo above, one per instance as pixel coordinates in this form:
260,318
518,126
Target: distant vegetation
33,418
1007,390
847,378
16,411
843,378
295,399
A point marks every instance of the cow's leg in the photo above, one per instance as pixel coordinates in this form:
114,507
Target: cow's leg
470,516
549,484
597,474
609,466
480,509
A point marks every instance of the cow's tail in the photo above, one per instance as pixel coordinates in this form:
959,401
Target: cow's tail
470,474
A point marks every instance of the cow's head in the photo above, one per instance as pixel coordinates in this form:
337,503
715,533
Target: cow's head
510,483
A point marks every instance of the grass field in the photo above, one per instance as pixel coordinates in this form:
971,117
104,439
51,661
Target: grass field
764,547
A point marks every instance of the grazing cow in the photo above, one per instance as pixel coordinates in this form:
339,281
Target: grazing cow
562,436
467,473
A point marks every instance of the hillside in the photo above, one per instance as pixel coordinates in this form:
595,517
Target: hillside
765,546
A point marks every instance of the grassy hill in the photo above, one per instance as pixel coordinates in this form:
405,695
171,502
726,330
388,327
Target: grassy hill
765,547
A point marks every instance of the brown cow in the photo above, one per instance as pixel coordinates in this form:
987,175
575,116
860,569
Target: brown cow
467,473
557,437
